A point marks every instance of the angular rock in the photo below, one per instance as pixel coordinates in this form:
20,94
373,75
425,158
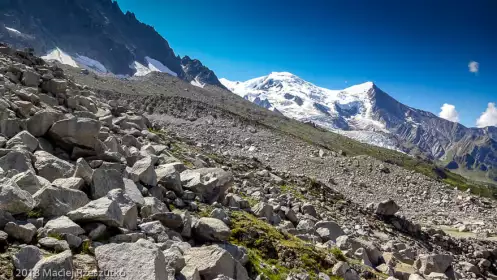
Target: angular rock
387,208
21,139
211,229
168,219
54,201
169,177
27,181
104,180
68,132
140,260
16,160
174,259
62,225
53,265
427,264
55,86
13,199
211,261
128,207
51,167
27,257
5,217
84,171
143,171
152,206
25,233
133,192
309,209
41,121
54,244
263,210
101,210
210,184
30,78
189,273
69,183
328,230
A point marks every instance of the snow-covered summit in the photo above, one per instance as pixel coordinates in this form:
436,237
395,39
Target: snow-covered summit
302,100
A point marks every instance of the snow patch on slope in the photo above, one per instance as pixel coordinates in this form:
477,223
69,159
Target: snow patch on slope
197,83
152,66
60,56
90,64
12,30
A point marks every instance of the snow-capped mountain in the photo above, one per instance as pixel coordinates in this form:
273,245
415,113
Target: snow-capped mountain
348,111
366,113
95,35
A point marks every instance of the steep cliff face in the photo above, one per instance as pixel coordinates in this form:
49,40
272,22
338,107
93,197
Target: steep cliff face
96,34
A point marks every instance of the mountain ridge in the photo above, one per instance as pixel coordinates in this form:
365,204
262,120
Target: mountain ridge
368,114
96,32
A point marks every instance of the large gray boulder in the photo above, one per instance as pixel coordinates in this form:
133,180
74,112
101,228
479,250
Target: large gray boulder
24,233
23,139
105,180
140,260
152,206
263,210
54,264
210,184
5,217
54,201
127,206
69,183
27,257
63,225
41,121
169,177
174,259
211,261
437,263
30,78
16,160
55,86
387,208
13,199
83,171
143,171
168,219
28,181
51,167
131,189
69,132
101,210
211,229
54,244
328,230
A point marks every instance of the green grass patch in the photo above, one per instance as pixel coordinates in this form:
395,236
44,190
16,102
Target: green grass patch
276,254
293,190
35,214
55,235
85,247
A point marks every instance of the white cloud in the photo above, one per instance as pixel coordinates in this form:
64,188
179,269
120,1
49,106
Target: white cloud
474,67
489,117
449,112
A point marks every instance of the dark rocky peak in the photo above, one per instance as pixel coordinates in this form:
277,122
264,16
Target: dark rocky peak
196,71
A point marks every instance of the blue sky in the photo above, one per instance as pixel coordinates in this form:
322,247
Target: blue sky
416,50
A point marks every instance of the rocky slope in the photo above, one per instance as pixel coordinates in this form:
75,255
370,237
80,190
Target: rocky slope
368,114
96,35
192,192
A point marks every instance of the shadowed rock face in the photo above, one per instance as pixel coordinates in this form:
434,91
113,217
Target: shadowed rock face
195,70
97,29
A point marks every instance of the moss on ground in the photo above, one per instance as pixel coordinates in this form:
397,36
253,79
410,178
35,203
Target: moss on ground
276,254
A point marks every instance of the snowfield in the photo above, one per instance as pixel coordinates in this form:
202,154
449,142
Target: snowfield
347,111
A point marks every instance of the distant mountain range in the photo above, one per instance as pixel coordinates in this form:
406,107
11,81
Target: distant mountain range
95,35
368,114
